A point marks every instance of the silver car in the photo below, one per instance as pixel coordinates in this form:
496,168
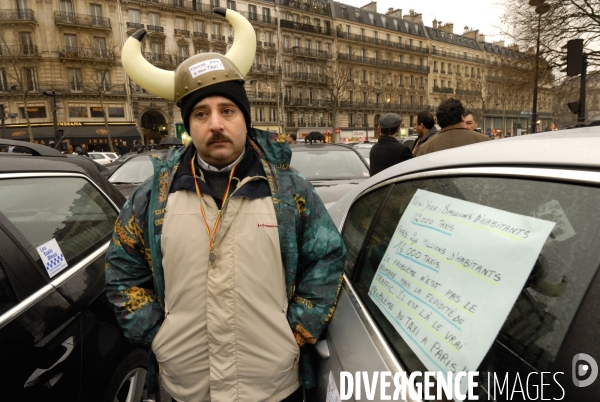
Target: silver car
480,258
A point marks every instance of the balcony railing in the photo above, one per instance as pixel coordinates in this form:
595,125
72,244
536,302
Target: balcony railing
456,57
303,51
155,28
72,52
271,45
255,17
81,19
201,35
381,42
263,68
217,37
262,95
383,63
160,58
19,51
134,25
304,76
312,6
16,15
443,90
183,32
305,27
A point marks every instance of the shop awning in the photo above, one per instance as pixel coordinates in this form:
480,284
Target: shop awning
73,132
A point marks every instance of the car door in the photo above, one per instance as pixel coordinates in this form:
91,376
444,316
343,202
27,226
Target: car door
544,328
67,220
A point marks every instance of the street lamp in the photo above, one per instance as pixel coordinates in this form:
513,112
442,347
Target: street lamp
53,95
2,117
540,8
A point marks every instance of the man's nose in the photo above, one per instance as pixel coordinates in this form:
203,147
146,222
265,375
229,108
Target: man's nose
216,121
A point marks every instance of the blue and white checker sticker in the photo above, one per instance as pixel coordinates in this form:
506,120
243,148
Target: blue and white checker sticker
52,257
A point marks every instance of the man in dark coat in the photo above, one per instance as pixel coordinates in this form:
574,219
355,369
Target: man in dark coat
454,132
424,125
388,150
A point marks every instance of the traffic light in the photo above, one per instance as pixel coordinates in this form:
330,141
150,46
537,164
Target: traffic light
179,130
574,107
574,57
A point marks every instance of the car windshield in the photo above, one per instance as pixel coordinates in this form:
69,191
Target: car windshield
325,164
125,157
136,170
364,151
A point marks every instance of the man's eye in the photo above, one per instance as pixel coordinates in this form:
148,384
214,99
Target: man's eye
227,111
200,114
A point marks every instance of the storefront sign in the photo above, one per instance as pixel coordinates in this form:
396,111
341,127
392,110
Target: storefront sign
69,124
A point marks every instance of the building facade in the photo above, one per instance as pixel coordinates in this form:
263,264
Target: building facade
320,66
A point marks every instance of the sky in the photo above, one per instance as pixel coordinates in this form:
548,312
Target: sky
477,14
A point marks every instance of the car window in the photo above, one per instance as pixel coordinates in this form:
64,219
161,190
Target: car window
136,170
97,156
364,151
358,222
111,156
69,210
329,165
531,335
7,295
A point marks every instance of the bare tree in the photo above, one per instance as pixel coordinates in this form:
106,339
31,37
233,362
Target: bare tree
17,62
336,77
567,19
97,79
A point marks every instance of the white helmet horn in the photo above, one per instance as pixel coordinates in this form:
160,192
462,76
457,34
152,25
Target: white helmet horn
153,79
243,50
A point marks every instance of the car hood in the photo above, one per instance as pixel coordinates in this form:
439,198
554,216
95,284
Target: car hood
332,190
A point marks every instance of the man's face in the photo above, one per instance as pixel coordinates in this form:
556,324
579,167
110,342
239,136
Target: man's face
218,130
470,122
289,139
420,128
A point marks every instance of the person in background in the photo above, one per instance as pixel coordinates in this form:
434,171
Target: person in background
226,250
152,144
388,151
123,148
424,125
291,138
453,133
470,119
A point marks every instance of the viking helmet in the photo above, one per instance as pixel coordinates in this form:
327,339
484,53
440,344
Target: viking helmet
198,71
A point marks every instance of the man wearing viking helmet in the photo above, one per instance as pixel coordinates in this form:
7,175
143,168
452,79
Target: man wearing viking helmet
237,259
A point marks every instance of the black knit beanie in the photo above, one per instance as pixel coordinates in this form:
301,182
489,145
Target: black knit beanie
233,90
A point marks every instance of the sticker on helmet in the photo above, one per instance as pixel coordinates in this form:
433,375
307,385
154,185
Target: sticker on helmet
206,66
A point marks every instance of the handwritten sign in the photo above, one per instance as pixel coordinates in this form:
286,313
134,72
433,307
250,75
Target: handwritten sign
206,66
450,275
52,257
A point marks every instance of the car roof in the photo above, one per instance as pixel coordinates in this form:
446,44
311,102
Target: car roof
320,146
576,148
48,160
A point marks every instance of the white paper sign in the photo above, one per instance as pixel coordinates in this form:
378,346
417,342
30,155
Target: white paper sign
333,394
450,275
206,66
52,257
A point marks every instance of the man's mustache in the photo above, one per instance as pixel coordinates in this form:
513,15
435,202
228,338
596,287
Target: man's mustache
217,137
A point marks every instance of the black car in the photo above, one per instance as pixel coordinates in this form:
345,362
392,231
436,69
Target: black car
59,339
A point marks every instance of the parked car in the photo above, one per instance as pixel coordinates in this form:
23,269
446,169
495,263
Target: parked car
408,141
111,167
332,169
59,338
133,172
364,150
103,158
510,226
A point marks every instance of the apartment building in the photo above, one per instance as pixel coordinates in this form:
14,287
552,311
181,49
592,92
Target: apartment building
319,66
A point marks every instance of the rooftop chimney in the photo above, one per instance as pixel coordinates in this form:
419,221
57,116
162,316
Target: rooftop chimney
372,6
447,27
498,43
434,24
394,13
473,34
412,16
481,38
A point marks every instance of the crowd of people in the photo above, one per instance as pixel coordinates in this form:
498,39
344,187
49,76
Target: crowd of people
457,128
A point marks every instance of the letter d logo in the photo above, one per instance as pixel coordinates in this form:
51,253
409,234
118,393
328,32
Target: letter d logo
581,370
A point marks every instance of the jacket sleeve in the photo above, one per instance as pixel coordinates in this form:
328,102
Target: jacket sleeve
321,254
129,281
